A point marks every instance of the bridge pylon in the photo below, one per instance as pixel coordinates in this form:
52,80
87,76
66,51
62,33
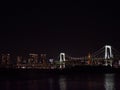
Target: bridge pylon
62,60
108,55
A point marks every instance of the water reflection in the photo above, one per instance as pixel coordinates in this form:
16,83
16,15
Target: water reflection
109,82
50,83
32,85
62,83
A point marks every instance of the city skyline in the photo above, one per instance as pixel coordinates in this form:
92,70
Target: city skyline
60,45
106,56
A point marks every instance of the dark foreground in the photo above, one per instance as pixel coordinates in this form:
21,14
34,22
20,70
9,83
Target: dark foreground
77,78
35,73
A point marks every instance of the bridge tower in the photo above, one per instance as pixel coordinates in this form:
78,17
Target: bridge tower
108,55
62,60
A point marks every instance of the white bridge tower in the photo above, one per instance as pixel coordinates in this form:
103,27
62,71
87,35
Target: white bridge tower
108,55
62,60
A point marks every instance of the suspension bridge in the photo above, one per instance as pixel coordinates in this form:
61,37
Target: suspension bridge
105,56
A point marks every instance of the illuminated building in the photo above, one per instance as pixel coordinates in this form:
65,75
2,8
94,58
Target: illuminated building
33,58
51,61
43,58
19,59
89,59
5,59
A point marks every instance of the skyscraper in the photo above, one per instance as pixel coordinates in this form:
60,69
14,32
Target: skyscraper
5,59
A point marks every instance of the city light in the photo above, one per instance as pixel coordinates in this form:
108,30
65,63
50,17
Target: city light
103,57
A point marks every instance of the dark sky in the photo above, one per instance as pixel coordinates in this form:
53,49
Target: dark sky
75,28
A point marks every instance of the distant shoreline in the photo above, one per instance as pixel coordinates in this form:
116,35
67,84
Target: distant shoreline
72,70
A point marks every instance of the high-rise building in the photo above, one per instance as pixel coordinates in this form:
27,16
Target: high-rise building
33,58
89,59
5,59
43,58
19,59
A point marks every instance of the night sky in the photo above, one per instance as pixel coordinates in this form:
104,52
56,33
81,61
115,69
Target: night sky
75,28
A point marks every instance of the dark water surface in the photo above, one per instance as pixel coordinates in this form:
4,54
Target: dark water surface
63,82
